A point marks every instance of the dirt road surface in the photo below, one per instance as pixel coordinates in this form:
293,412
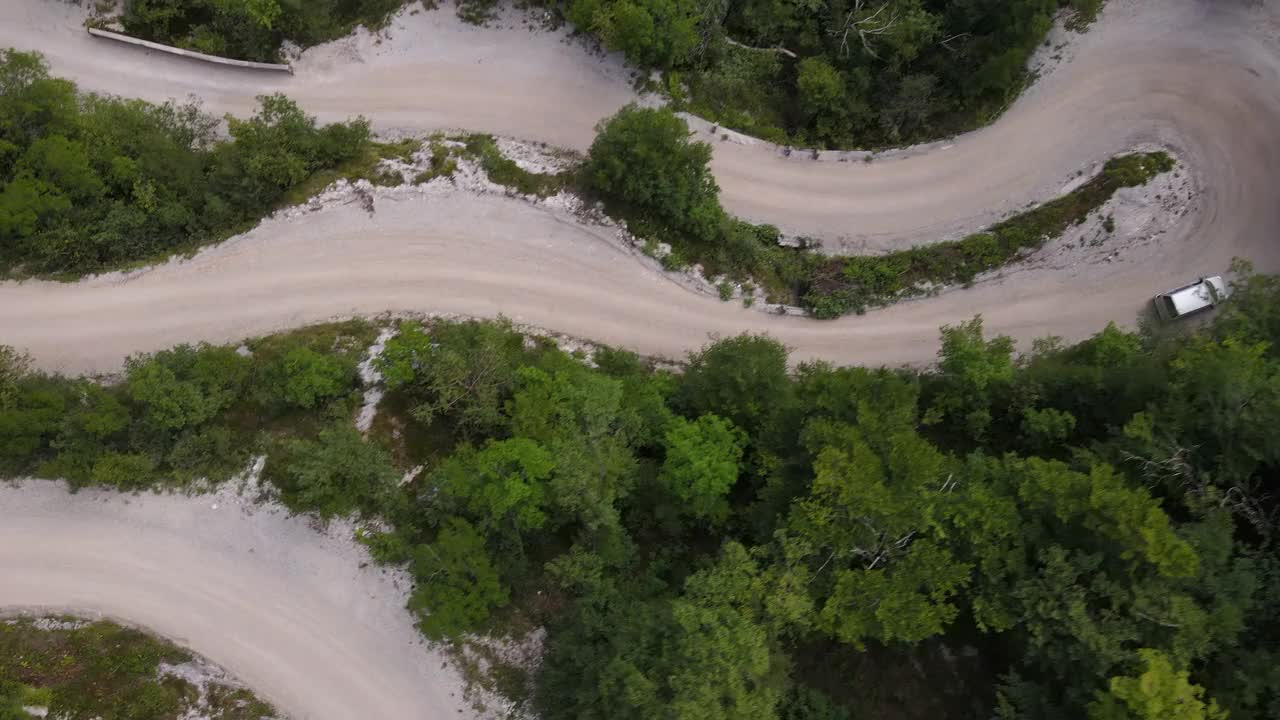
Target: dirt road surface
1201,77
285,608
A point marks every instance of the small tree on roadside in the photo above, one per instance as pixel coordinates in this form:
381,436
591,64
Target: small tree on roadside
457,585
643,158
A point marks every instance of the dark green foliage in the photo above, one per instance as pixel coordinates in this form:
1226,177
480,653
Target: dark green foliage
458,586
742,379
866,73
335,474
90,182
250,29
642,158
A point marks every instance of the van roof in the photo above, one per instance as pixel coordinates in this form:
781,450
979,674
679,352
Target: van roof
1191,298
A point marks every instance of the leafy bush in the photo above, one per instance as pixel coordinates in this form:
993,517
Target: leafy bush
642,159
336,474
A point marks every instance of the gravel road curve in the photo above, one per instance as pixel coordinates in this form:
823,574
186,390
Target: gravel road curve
290,611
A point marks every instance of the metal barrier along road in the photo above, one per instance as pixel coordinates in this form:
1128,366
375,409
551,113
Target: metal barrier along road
189,53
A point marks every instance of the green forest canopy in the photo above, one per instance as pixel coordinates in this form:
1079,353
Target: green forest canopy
1084,531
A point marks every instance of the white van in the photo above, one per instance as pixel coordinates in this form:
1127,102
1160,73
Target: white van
1188,299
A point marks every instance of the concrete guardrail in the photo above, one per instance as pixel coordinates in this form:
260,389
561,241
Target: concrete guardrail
189,53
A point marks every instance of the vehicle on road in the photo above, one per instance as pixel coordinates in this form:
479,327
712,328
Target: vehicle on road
1189,299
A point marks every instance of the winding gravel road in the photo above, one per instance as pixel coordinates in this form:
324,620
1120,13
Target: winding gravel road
1199,76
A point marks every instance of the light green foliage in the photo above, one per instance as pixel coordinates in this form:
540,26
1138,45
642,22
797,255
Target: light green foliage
869,517
823,97
576,415
1048,427
13,367
721,666
185,386
1159,693
307,378
643,159
654,33
461,372
701,465
973,371
123,472
502,486
457,586
335,474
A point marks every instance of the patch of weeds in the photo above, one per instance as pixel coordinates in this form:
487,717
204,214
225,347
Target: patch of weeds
852,284
228,703
476,12
1085,13
442,164
365,166
672,262
103,670
504,171
725,289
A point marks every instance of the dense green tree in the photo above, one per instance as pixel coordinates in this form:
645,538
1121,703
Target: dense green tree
456,584
305,378
643,158
186,386
742,379
335,474
576,415
502,486
701,465
972,371
88,182
460,372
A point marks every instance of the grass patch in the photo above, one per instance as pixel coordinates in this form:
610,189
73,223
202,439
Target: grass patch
365,166
103,670
853,284
442,164
504,171
1086,12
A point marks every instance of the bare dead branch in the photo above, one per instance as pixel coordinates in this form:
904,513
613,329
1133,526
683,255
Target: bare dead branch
777,49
